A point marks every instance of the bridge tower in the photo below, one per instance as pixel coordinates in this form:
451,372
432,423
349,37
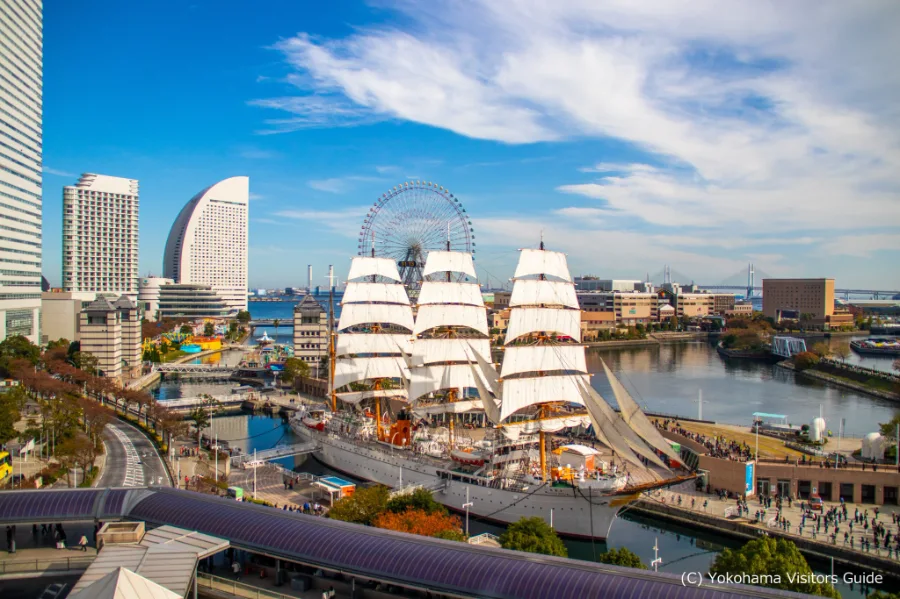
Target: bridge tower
668,275
750,273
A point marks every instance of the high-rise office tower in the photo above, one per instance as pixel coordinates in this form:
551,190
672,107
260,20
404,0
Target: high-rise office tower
21,79
100,235
208,241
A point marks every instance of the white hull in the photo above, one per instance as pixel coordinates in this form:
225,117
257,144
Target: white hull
571,508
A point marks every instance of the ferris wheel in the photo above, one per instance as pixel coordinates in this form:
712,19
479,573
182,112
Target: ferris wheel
409,221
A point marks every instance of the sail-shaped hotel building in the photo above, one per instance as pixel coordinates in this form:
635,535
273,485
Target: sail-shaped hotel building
208,242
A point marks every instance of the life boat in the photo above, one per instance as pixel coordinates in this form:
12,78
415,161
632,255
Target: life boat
317,424
467,456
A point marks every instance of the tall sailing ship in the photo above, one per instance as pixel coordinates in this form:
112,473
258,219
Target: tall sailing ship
399,382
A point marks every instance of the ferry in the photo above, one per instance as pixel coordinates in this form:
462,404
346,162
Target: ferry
880,346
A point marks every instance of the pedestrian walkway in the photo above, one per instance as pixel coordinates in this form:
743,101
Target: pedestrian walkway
855,532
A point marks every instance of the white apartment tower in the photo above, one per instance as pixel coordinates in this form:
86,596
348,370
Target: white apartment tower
208,241
100,235
21,79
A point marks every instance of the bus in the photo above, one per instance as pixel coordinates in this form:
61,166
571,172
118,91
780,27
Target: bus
5,465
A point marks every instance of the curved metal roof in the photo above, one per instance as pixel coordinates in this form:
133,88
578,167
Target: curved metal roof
406,560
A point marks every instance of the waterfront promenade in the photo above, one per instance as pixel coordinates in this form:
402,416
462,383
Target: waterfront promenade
696,508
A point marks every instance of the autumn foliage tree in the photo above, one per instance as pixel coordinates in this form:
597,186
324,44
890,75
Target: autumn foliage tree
418,522
805,360
362,507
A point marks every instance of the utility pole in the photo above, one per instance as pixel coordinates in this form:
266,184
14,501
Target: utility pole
255,465
217,457
750,273
469,504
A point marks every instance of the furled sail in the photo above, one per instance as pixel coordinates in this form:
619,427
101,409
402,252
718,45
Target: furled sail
453,407
440,261
636,419
542,262
355,397
537,292
525,321
518,359
366,293
365,266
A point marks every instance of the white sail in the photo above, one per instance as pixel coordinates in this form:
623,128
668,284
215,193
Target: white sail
366,266
523,321
520,393
431,316
636,419
448,292
386,293
614,432
444,261
363,343
450,407
356,314
488,401
441,350
548,425
542,262
488,373
536,292
428,379
354,370
519,359
355,397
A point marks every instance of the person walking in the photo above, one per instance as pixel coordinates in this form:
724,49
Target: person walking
236,568
83,543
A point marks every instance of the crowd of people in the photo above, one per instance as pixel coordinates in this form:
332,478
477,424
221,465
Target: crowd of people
717,446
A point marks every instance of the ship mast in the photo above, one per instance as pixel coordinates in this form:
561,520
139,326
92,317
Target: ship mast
331,333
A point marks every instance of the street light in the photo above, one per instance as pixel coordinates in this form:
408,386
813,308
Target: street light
466,507
657,560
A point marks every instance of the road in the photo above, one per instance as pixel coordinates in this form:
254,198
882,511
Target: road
131,459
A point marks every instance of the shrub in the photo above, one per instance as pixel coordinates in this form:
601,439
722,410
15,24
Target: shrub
533,535
805,360
622,557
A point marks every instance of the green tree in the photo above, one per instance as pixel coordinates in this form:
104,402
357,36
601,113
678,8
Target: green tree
821,349
61,342
805,360
200,418
779,560
882,595
534,536
276,323
85,361
186,329
362,507
420,499
889,429
451,535
243,317
841,352
209,329
294,368
11,404
622,557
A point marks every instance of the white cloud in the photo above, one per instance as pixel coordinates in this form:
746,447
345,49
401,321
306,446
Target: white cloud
345,222
58,173
340,185
255,197
257,154
862,245
748,120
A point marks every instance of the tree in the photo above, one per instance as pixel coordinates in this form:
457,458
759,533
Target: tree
418,522
75,451
209,329
882,595
362,507
821,349
186,329
842,352
200,418
889,429
622,557
294,368
778,563
896,364
11,404
15,348
420,499
243,317
534,536
805,360
276,323
85,361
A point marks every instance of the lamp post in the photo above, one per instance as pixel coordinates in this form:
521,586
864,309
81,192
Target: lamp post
217,457
657,560
466,507
254,472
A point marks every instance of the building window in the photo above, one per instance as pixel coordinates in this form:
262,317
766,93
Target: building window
19,322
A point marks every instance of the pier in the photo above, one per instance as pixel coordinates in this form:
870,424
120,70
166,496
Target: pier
282,451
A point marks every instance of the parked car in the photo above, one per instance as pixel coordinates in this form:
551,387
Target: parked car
816,503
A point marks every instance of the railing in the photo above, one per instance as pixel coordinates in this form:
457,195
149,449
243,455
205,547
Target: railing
44,565
274,453
238,589
483,539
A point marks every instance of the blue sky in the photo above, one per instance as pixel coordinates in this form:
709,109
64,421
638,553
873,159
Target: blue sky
631,134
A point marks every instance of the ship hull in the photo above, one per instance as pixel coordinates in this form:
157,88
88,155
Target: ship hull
577,513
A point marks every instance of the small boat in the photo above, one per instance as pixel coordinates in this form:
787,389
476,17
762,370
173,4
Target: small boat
468,456
264,339
243,389
882,346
